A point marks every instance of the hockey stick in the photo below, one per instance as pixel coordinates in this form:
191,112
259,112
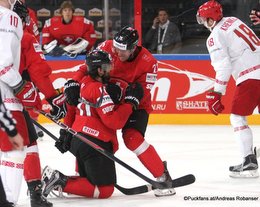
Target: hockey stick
155,184
178,182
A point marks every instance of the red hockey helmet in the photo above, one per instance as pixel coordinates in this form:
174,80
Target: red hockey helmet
211,9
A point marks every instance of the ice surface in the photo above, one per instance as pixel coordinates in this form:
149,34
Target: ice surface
205,151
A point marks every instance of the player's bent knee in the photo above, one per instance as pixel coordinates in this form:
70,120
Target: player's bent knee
133,139
237,120
105,191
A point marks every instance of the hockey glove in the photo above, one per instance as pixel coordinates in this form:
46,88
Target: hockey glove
255,16
77,47
63,143
133,94
27,93
214,102
71,91
53,49
58,104
114,92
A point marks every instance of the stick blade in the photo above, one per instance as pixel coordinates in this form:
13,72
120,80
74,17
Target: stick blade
184,180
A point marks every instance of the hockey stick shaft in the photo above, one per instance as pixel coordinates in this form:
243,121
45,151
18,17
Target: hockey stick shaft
45,130
160,185
181,181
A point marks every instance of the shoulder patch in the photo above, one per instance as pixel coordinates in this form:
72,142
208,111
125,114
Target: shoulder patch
151,77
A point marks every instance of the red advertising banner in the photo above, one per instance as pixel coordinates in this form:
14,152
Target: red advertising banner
182,83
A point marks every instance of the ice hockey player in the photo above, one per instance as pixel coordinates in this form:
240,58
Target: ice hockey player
132,63
93,121
8,123
234,51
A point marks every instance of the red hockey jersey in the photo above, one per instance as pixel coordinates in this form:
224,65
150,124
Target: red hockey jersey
142,69
103,121
66,34
31,26
32,60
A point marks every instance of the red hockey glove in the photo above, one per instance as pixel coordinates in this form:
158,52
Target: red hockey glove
214,102
27,93
58,104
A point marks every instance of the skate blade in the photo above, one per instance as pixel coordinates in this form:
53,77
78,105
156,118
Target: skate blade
245,174
164,192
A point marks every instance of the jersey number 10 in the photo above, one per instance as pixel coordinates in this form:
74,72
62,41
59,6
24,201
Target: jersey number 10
13,21
248,36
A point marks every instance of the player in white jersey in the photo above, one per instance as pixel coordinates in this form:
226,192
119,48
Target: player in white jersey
15,94
234,51
9,124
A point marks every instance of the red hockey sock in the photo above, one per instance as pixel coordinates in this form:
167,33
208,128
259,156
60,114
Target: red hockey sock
32,167
82,187
152,161
144,151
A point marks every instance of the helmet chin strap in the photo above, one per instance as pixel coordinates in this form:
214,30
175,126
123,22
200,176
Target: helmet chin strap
210,28
12,4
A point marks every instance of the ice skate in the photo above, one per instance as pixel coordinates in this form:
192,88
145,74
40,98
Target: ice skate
52,179
164,178
36,198
248,169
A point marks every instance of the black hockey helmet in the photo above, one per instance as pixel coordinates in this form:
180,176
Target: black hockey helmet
21,9
126,38
98,59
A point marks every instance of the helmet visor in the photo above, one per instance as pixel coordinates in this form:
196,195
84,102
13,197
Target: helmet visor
201,20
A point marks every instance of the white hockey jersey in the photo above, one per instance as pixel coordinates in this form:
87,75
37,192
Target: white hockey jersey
234,50
11,32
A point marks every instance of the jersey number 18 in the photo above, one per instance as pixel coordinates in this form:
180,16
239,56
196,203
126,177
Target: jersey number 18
248,36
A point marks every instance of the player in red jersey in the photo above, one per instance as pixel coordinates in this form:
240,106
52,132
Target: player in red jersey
75,32
132,63
98,122
31,23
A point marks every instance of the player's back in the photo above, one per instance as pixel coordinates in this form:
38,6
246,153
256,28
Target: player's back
238,43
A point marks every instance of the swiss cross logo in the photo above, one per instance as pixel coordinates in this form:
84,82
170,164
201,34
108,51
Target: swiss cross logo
211,42
68,38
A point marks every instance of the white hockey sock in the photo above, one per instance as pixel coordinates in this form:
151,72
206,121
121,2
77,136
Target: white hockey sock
244,138
11,171
243,134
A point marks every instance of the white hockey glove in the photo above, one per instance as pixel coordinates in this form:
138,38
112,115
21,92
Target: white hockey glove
77,47
53,49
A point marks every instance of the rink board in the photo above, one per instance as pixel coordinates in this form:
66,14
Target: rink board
178,97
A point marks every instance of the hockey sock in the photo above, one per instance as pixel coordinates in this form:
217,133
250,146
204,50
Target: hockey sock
152,161
244,138
243,134
144,151
32,166
82,187
11,171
